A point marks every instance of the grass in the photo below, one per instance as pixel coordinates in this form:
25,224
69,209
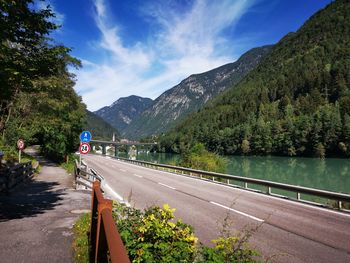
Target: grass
81,242
69,165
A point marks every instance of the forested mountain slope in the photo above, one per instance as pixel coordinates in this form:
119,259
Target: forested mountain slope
296,102
99,128
188,96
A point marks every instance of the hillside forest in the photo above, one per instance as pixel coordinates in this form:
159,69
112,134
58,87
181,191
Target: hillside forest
295,103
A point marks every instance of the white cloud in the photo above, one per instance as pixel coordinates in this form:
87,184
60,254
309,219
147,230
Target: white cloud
184,44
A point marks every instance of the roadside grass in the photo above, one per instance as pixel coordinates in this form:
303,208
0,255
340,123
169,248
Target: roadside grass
81,242
68,165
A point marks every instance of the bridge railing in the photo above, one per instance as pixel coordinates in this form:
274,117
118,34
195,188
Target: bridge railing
105,242
227,179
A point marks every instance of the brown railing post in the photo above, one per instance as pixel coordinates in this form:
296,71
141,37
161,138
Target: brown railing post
105,242
94,220
101,241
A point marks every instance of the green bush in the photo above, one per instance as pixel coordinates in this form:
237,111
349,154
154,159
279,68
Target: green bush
227,250
152,235
199,158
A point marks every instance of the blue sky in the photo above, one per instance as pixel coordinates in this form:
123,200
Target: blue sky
144,47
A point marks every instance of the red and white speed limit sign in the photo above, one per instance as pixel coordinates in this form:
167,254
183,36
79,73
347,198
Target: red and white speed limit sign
20,144
84,148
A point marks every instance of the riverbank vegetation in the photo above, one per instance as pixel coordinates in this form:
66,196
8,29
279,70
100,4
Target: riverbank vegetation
197,157
37,103
295,103
153,235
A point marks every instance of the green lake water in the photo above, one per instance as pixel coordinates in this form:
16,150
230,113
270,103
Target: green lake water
328,174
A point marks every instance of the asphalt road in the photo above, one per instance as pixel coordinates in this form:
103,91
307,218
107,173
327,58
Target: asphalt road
285,230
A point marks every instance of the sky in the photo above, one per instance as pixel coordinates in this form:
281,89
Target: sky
145,47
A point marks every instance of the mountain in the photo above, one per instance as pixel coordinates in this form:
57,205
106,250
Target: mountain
296,102
191,94
99,128
123,111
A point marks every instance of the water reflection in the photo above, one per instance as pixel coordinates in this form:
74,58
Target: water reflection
327,174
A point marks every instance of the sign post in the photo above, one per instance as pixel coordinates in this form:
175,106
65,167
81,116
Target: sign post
85,138
20,146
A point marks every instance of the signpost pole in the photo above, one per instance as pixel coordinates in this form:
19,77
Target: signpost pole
79,159
20,147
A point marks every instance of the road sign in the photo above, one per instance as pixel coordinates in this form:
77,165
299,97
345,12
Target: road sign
20,144
85,136
84,148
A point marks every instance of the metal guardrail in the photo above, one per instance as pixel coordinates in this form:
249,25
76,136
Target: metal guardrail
227,180
85,178
105,242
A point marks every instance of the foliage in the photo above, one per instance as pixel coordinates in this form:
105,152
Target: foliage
37,100
199,158
81,241
296,102
152,235
227,250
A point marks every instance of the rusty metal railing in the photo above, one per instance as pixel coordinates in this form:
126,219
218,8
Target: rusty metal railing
106,244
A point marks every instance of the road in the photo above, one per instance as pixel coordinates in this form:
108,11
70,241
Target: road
291,231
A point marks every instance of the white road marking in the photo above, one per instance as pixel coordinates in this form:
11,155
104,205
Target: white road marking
122,170
114,194
167,186
140,176
236,211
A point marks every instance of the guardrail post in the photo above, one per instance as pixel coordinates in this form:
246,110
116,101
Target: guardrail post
245,185
298,196
268,190
340,205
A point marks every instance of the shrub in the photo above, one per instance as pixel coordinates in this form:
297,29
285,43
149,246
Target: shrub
227,250
199,158
152,235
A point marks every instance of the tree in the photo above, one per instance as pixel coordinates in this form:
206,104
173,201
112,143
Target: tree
37,100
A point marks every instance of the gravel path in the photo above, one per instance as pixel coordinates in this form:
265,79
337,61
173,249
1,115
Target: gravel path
36,219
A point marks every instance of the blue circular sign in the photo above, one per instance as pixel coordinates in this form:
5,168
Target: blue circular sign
85,136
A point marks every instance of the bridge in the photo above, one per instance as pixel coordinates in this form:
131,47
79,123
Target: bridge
294,231
138,145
